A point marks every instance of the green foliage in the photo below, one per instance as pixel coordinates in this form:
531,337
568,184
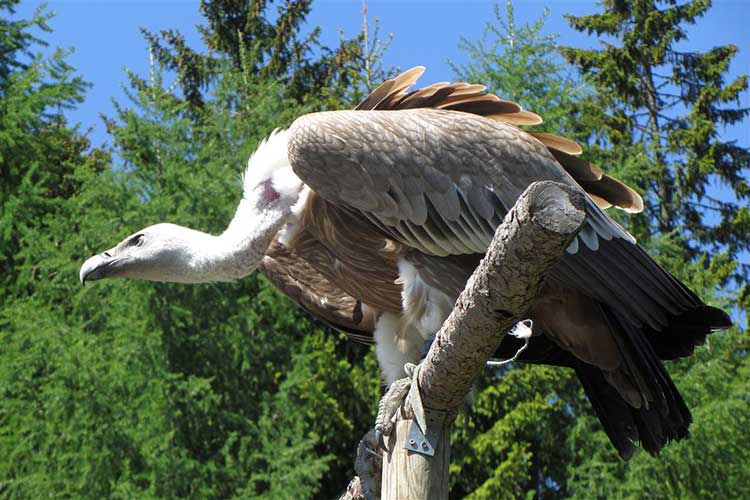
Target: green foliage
662,110
244,38
531,432
141,390
712,463
366,70
512,439
38,151
138,390
520,63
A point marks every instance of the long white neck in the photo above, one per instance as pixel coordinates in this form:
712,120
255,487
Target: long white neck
237,251
273,196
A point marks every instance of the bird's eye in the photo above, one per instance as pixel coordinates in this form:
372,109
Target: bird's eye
136,240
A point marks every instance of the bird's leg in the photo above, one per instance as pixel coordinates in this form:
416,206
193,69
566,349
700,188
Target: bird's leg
397,395
397,392
396,349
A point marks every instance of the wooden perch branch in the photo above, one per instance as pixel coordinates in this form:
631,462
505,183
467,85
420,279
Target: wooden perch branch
534,234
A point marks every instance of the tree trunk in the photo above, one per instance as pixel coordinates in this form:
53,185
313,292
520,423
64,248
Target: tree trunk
665,184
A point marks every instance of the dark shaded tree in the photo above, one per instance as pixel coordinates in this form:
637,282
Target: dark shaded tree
660,124
246,37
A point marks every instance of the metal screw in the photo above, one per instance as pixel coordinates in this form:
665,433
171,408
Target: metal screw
424,445
412,442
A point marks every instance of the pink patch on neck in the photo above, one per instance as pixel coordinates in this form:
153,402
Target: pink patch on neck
268,195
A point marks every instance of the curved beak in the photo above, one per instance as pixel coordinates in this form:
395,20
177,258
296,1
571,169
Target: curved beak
95,268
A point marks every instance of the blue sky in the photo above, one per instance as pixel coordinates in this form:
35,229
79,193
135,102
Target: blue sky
106,39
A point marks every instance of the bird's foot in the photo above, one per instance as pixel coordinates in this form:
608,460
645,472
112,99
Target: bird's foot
387,408
393,400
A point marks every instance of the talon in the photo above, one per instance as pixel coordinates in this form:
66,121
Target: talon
388,408
372,452
380,437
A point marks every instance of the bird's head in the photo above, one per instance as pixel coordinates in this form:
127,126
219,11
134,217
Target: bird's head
273,196
162,252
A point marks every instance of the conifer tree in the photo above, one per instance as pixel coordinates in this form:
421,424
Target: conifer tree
141,390
672,104
186,144
38,149
660,118
521,63
246,38
566,453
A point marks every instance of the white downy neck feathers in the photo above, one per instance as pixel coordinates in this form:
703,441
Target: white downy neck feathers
271,199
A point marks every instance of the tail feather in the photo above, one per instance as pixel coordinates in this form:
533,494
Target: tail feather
613,412
662,416
624,425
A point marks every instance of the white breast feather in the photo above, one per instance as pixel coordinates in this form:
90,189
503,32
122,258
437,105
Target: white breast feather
424,306
292,228
400,338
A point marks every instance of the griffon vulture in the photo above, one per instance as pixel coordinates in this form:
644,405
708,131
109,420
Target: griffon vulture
373,219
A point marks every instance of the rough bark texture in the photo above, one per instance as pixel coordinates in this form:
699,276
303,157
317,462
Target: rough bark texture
534,234
532,237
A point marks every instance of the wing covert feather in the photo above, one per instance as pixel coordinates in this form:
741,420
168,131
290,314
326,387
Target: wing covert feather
316,294
453,164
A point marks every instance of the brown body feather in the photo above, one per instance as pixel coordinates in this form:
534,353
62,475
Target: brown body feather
294,276
350,252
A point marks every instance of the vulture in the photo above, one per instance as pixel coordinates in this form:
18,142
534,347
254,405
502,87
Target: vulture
373,219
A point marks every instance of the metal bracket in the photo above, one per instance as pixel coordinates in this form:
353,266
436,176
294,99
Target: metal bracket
417,441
